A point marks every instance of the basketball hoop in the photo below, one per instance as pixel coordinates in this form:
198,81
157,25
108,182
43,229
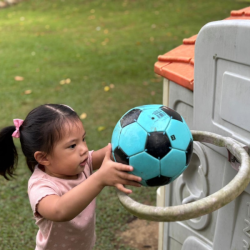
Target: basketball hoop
203,206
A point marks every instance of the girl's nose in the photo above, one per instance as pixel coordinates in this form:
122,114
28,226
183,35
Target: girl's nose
83,149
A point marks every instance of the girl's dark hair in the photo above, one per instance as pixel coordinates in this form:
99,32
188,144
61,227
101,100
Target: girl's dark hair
40,130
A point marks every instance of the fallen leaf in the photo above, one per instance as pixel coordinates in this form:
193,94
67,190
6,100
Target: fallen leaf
27,92
101,128
106,31
19,78
111,85
83,116
68,81
106,88
152,92
62,82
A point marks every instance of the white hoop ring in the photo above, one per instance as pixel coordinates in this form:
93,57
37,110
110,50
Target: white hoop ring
203,206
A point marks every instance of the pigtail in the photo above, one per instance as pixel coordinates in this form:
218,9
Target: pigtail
8,152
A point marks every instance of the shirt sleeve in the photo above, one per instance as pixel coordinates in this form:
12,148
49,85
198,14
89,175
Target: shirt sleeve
39,189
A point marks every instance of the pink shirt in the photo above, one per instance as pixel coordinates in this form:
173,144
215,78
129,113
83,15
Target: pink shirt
77,234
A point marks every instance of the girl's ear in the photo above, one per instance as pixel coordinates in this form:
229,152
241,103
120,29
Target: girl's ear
41,158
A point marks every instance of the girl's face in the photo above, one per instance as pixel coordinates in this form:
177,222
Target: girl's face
70,153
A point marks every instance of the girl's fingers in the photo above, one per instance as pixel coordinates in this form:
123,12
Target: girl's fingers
129,177
129,182
108,152
123,167
123,189
133,183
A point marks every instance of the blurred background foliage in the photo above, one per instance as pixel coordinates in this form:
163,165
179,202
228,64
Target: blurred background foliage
98,57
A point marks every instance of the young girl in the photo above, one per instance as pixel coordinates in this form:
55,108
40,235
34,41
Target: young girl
63,187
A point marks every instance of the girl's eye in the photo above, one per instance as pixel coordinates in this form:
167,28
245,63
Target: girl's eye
72,146
84,139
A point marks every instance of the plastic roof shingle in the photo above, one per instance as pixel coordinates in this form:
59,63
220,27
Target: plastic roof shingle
177,65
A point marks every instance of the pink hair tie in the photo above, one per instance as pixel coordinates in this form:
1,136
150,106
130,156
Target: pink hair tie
17,123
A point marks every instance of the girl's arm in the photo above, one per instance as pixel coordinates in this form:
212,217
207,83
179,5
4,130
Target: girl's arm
68,206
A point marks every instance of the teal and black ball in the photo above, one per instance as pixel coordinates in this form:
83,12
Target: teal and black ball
156,141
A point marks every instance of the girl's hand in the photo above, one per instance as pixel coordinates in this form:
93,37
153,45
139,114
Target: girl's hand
115,174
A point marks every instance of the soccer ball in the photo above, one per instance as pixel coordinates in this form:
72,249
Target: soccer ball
156,141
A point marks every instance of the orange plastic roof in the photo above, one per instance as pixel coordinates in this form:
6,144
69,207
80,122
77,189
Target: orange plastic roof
177,65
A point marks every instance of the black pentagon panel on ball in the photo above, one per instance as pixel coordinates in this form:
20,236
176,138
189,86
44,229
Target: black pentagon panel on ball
130,117
158,144
158,181
170,112
120,156
189,152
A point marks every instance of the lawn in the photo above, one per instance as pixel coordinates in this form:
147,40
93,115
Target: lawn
98,57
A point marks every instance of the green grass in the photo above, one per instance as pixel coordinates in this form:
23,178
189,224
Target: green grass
95,44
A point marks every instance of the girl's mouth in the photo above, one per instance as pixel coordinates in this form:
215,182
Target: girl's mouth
83,162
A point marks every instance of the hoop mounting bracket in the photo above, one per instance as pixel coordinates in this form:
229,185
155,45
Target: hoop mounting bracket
235,164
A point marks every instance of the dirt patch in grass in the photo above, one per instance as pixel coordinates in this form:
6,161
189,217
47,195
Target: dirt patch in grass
141,235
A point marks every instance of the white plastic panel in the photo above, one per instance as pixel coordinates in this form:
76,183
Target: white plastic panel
181,100
235,100
233,224
192,243
220,104
222,75
202,177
